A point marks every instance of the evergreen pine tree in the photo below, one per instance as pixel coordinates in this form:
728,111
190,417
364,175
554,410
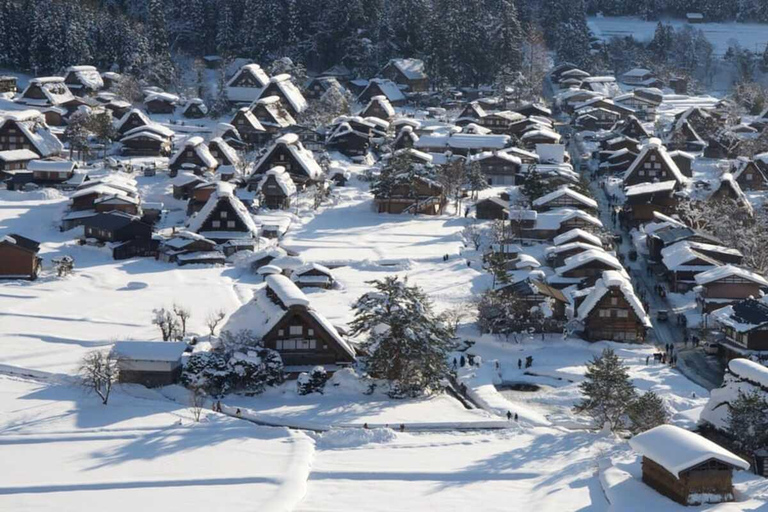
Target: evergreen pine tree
647,412
607,391
748,421
407,344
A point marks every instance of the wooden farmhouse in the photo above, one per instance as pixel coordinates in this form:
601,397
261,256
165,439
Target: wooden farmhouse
422,196
148,140
230,135
498,167
272,115
83,80
224,217
15,160
249,128
501,122
246,84
282,316
471,113
380,108
8,84
556,255
110,79
349,141
645,199
18,257
194,108
161,103
632,127
492,208
149,363
727,284
319,85
728,189
405,138
133,119
289,153
532,225
682,263
565,197
611,311
276,189
313,275
290,96
194,157
578,235
533,109
126,234
187,248
750,175
653,164
586,267
408,73
382,87
48,91
225,155
745,326
686,467
28,130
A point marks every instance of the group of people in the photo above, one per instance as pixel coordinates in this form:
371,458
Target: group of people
528,362
463,361
668,356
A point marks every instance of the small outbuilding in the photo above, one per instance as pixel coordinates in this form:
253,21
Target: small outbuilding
686,467
150,363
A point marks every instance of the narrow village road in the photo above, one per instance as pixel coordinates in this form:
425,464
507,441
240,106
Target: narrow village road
699,368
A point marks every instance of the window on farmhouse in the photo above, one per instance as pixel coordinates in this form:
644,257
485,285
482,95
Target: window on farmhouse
296,330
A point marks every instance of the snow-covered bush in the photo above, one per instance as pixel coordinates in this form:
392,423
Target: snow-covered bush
312,382
208,371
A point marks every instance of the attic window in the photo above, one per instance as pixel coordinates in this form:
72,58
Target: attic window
224,214
296,330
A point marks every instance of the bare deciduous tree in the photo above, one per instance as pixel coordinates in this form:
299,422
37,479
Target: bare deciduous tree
167,322
196,402
473,234
213,320
183,315
99,370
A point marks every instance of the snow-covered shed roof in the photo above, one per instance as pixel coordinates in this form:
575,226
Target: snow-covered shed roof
255,71
165,97
682,254
566,191
288,293
18,155
677,450
541,134
413,69
577,233
479,157
164,351
282,178
612,279
196,102
197,144
718,273
224,192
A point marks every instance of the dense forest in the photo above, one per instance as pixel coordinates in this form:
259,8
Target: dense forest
462,41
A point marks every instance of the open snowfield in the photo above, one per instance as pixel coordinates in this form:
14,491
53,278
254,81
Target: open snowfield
751,36
64,451
143,450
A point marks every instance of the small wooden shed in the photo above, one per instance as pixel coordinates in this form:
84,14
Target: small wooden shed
151,363
686,467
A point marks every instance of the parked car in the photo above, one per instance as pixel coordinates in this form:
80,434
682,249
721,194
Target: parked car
662,315
633,255
711,348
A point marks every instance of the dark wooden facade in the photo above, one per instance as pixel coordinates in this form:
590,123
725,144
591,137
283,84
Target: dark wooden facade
711,477
18,258
614,319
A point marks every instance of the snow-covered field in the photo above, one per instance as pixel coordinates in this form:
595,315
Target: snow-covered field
143,450
751,36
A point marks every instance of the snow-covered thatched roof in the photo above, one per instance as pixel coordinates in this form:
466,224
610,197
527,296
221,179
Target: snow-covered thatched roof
613,280
88,76
413,69
224,192
383,103
32,125
196,144
159,351
282,178
303,156
677,450
290,92
53,88
228,151
655,146
388,88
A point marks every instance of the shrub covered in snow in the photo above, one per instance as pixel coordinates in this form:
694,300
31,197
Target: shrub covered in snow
312,382
354,437
247,371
